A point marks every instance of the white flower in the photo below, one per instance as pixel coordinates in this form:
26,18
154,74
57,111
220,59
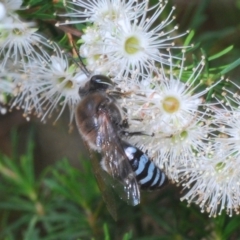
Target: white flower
49,85
213,182
227,129
165,102
170,114
92,50
23,88
130,46
227,121
103,11
182,149
20,42
26,94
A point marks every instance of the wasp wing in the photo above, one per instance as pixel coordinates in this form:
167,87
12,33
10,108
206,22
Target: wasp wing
115,161
104,187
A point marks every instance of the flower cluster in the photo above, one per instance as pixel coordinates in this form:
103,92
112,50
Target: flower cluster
194,140
44,86
213,180
122,39
37,80
18,39
172,115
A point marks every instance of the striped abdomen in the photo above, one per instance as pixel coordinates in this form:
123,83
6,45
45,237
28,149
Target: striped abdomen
148,175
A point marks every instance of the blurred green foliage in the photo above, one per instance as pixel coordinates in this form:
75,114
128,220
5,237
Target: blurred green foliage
63,202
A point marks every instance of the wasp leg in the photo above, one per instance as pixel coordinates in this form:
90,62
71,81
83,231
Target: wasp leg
130,134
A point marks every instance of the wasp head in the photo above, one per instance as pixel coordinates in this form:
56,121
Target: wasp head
96,83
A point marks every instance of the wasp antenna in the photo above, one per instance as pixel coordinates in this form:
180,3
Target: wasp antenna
77,63
81,64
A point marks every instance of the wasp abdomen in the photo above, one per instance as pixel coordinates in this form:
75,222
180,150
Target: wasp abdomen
148,175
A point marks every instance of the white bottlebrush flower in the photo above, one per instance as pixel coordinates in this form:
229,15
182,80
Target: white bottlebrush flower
92,50
23,88
26,94
51,85
227,128
213,182
20,41
103,11
131,46
182,148
227,120
171,113
165,102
